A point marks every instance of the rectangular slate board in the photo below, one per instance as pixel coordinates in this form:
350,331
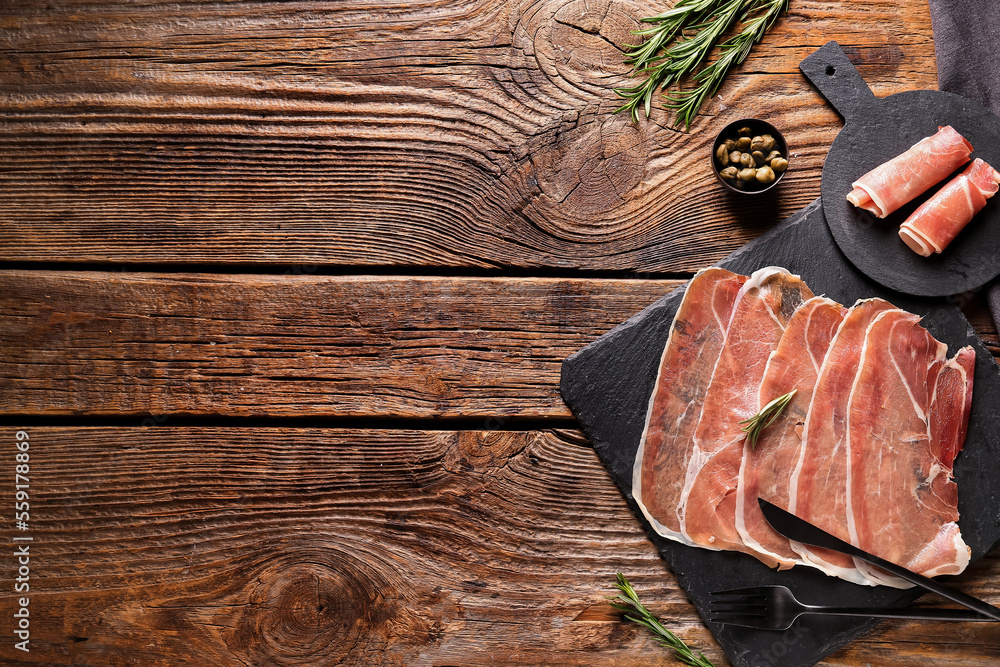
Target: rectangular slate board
607,385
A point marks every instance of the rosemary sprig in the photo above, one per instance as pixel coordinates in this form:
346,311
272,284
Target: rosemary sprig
628,601
753,426
732,52
664,69
663,62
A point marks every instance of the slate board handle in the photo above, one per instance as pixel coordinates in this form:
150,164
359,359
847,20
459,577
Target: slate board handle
829,69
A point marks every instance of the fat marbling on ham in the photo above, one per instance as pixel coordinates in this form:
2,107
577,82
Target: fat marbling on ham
819,478
793,366
879,411
899,181
903,379
686,365
765,304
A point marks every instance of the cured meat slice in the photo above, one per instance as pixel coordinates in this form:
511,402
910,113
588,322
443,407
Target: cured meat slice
938,220
951,405
763,309
818,483
903,178
870,436
908,409
686,365
766,470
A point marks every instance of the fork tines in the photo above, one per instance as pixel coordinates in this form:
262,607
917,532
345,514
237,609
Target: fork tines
742,606
743,592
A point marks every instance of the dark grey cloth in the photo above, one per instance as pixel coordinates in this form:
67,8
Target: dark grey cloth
965,40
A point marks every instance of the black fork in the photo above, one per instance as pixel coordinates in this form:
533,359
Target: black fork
775,608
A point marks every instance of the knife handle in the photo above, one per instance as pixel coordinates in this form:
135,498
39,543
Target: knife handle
925,582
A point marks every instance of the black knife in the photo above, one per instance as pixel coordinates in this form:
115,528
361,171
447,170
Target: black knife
802,531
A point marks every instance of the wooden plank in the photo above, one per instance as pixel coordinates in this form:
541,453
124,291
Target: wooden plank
130,344
469,134
133,344
168,546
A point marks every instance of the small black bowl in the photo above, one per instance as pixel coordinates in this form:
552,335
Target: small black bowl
757,127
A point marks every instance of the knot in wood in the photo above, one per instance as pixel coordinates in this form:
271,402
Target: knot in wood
322,609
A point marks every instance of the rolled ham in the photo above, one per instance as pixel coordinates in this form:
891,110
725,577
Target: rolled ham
939,219
893,184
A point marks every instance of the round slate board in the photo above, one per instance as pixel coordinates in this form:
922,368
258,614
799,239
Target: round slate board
877,130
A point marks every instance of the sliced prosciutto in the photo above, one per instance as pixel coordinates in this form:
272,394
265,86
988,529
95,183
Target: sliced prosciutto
893,184
819,480
766,303
766,469
686,365
909,408
951,404
939,219
865,448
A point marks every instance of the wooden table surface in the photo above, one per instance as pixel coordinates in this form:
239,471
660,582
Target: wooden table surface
285,291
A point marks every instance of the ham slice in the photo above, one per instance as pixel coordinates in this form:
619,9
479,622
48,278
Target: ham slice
893,184
686,365
818,481
793,366
939,219
766,303
908,411
951,405
864,450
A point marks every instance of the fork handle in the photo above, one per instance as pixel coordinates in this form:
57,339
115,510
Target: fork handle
923,614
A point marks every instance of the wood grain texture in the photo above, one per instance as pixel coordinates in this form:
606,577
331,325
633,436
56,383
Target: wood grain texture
194,546
101,343
292,137
469,133
128,344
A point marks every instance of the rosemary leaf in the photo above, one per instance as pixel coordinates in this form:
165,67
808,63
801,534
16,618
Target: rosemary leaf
628,601
753,426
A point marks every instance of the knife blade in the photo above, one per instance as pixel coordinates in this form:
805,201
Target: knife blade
800,530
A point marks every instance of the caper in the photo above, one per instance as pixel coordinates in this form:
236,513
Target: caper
758,158
779,165
757,144
747,175
734,157
765,176
722,155
768,142
746,160
743,143
729,173
730,144
744,131
772,155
